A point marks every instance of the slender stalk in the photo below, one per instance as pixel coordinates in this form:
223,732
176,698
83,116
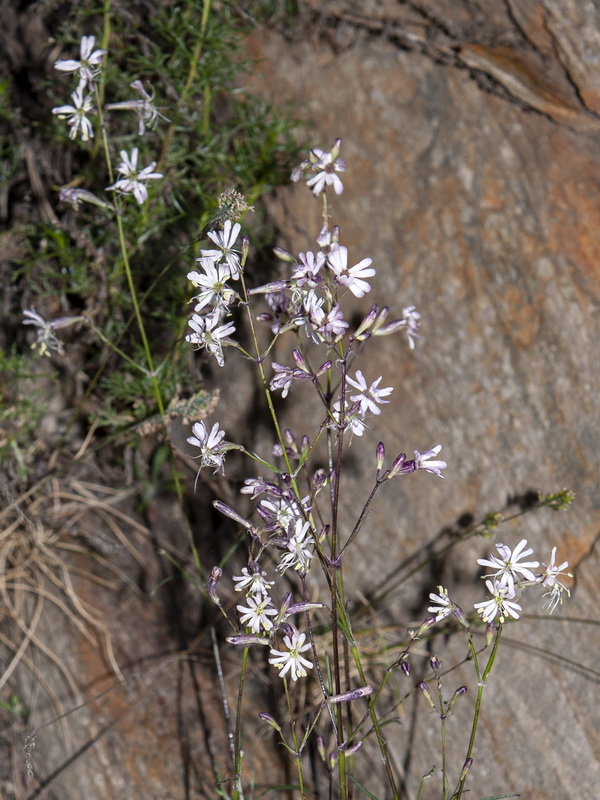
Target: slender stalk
481,679
238,791
297,757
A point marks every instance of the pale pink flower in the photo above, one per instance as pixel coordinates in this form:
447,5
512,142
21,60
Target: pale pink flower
352,277
290,660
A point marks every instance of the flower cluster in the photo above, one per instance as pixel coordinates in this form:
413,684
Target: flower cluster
509,577
216,267
133,178
307,301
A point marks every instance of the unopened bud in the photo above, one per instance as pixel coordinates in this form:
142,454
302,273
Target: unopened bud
434,663
230,512
269,288
270,721
460,615
367,323
405,667
350,749
284,255
348,697
321,748
300,361
245,249
319,479
298,608
462,690
284,607
466,767
325,367
426,693
397,465
380,455
246,640
211,584
427,623
490,632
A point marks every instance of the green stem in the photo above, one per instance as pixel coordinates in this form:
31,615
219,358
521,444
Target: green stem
238,791
481,679
294,739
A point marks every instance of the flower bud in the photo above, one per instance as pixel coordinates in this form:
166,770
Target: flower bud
300,361
426,693
325,367
348,697
434,663
367,322
284,255
269,288
380,456
270,721
398,465
246,640
211,584
405,667
223,508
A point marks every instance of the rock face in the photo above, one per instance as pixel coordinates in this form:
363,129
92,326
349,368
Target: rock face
470,132
470,137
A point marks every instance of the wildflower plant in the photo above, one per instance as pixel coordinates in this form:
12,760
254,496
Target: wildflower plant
294,539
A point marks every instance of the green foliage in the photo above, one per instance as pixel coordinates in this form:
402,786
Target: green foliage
213,135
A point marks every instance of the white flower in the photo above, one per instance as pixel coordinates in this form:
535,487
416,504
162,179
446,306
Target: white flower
412,321
352,277
254,583
225,242
501,603
507,567
256,614
298,556
208,333
306,273
291,661
212,447
552,571
422,461
89,65
132,181
443,605
325,165
550,580
369,396
319,325
213,284
146,110
45,338
76,114
352,420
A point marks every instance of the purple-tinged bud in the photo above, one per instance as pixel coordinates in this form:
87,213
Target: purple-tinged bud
300,361
380,456
398,465
286,478
319,479
466,767
332,760
335,234
460,615
427,623
405,667
325,367
348,697
490,633
288,629
269,288
246,640
434,663
367,322
230,512
245,249
321,748
284,255
211,584
426,693
270,721
323,533
289,437
284,607
350,749
391,327
298,608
